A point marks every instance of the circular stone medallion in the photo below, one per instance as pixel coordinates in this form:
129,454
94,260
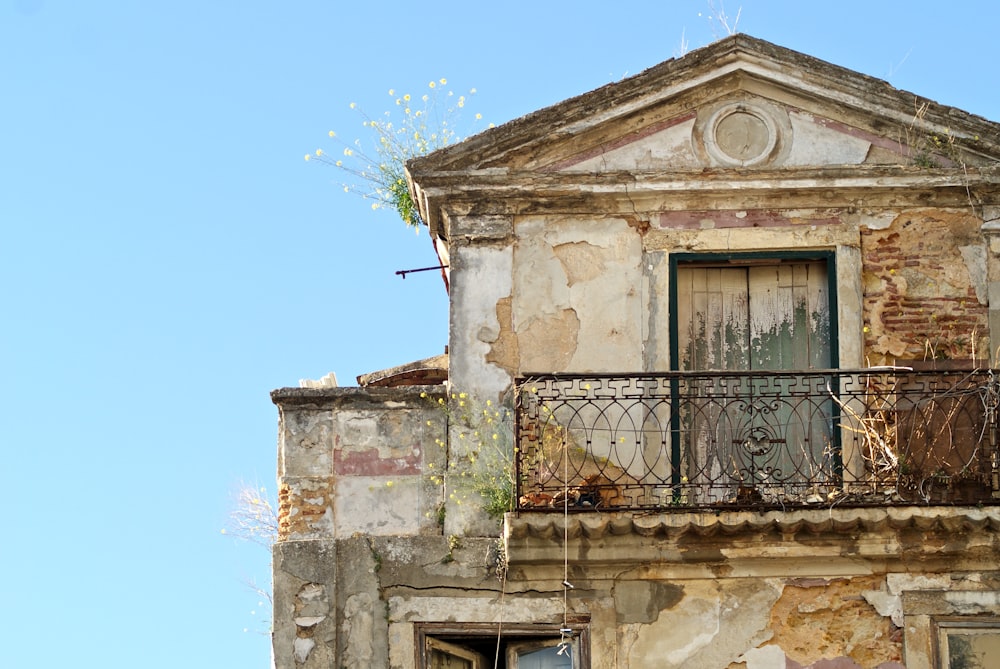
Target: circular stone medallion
741,134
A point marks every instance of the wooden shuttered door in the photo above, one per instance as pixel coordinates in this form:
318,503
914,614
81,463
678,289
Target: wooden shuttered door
760,433
756,317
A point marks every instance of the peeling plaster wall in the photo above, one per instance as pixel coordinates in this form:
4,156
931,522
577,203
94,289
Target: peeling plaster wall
481,286
585,294
817,589
578,295
344,451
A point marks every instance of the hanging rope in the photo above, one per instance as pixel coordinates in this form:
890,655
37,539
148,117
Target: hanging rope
565,632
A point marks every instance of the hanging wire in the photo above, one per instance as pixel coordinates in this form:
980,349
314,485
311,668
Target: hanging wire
503,590
565,632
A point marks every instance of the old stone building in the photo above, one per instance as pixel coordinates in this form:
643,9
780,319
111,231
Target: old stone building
725,326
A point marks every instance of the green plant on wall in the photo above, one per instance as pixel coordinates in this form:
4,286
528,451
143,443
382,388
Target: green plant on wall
374,168
481,466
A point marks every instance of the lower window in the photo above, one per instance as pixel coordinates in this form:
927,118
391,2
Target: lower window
968,643
477,646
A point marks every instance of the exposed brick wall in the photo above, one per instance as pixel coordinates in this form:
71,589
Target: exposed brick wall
919,292
304,506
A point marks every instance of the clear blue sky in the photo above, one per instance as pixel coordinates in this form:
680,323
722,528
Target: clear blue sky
167,258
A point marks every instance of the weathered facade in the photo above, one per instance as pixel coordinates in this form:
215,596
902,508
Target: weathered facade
740,311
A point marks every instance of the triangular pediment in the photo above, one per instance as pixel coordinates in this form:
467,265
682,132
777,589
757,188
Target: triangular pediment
740,103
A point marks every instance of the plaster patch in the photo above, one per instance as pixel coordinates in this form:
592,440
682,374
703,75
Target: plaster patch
358,628
580,261
503,345
975,261
642,601
307,621
898,583
887,605
469,609
301,648
767,657
879,221
480,277
679,636
549,343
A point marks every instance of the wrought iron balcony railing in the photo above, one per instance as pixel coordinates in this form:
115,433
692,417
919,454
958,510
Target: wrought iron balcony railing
683,440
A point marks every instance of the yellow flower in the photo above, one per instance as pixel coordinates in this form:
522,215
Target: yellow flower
340,163
348,152
353,105
333,134
444,81
479,116
319,152
391,92
388,484
432,84
308,157
406,97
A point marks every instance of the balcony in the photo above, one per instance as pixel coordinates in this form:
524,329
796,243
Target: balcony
756,440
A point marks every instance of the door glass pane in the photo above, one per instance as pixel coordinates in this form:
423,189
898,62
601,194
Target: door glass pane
544,654
544,658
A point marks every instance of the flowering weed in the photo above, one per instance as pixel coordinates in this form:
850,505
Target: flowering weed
413,126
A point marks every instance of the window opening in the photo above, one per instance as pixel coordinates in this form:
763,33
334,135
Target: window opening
475,646
969,643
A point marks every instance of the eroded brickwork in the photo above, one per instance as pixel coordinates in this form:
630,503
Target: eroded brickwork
921,298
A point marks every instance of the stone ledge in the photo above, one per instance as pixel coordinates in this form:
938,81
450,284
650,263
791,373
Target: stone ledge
709,523
945,535
353,396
